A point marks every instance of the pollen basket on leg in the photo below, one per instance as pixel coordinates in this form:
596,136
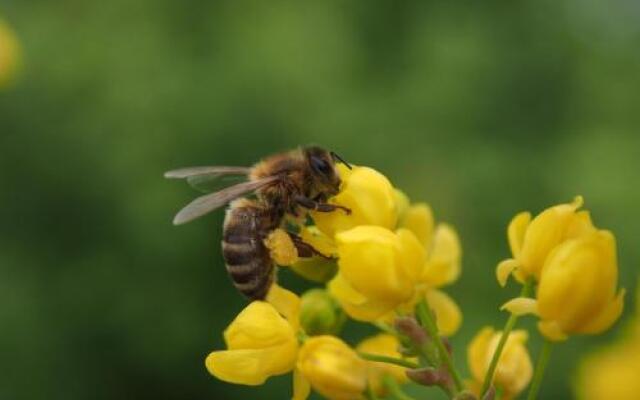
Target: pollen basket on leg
282,249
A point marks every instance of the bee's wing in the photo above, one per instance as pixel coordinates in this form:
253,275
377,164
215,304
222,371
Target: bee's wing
189,172
209,202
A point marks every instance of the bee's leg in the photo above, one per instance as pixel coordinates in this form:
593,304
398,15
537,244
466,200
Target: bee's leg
305,250
322,207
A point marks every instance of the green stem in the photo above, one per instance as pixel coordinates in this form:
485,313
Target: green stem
388,360
541,365
498,395
394,389
427,321
508,327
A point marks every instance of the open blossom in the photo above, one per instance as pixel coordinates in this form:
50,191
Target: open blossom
532,240
577,290
378,269
514,370
385,345
382,271
260,344
261,341
442,265
332,368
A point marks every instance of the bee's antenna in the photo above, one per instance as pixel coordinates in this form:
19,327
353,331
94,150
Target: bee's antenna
338,158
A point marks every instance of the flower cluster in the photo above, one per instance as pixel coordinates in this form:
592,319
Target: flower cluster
386,264
575,267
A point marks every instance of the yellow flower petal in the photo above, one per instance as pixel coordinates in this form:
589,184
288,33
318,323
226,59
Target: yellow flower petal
516,231
259,325
447,312
286,303
418,218
505,269
355,304
370,197
552,331
514,369
412,253
443,264
607,316
332,368
321,242
372,251
402,203
251,366
521,306
301,386
477,353
544,233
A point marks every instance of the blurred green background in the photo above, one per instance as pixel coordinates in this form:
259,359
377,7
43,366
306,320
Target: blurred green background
482,109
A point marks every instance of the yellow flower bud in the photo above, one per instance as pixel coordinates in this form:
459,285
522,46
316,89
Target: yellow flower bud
320,313
577,289
384,345
332,368
260,342
370,197
514,370
378,270
532,241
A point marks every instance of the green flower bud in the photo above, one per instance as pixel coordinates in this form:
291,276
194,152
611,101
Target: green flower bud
320,314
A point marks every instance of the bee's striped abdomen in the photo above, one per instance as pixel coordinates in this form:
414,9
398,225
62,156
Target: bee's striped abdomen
247,259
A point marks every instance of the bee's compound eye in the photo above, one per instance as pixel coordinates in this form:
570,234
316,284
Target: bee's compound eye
321,165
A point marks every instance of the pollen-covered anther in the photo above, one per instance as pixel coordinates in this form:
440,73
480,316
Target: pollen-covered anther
282,249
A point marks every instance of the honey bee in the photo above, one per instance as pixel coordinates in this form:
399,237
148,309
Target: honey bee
283,184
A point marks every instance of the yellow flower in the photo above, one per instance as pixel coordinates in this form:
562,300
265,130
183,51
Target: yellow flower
514,369
384,345
261,341
9,54
442,266
577,290
612,372
378,270
532,241
332,368
370,197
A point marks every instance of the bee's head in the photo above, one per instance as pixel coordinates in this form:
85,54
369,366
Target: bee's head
323,171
